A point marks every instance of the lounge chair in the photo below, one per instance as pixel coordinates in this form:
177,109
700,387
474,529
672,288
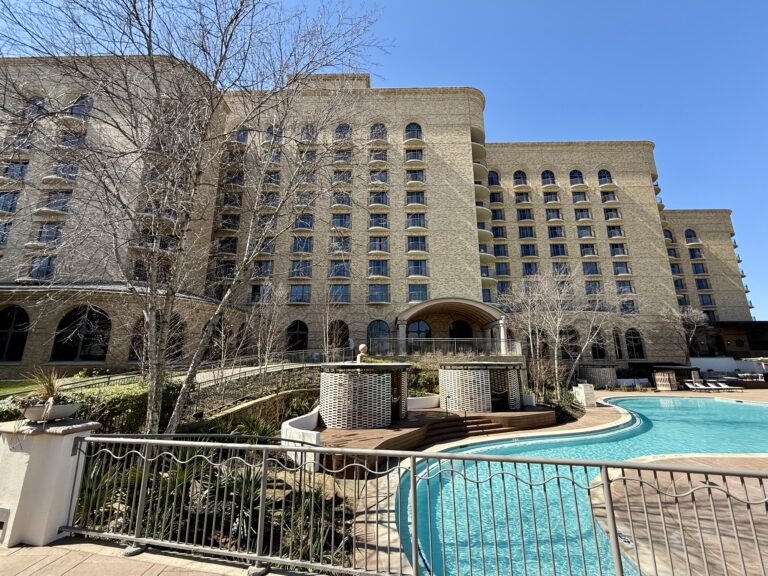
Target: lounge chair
712,386
728,387
695,386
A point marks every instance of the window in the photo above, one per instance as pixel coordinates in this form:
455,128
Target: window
260,293
413,131
414,176
579,197
340,244
690,236
608,196
343,133
499,231
556,232
301,269
377,155
699,268
493,179
300,294
604,177
624,287
557,250
82,107
525,214
561,268
341,220
34,107
378,221
225,269
582,214
274,134
585,232
42,267
302,244
676,269
342,176
232,200
8,201
72,139
519,178
308,133
526,232
82,336
522,197
414,155
530,268
378,244
673,253
500,250
527,250
611,213
502,287
417,268
418,292
628,307
502,268
379,176
378,293
267,221
14,326
483,248
230,222
618,249
269,199
547,178
703,284
237,177
339,269
554,214
297,335
378,197
592,287
5,230
414,198
487,295
497,214
416,243
669,236
576,177
620,268
485,272
706,300
615,232
682,300
587,250
304,221
497,197
15,170
378,334
695,253
711,315
378,132
679,284
635,349
341,199
262,269
419,330
378,267
416,220
339,293
590,268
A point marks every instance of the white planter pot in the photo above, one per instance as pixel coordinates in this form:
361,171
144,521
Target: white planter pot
529,399
57,412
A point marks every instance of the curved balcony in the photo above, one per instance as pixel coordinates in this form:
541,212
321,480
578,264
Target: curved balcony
478,151
482,194
486,254
521,187
414,163
51,180
415,185
378,142
484,235
656,187
607,186
378,164
553,187
488,281
414,140
482,210
693,241
579,187
71,121
480,170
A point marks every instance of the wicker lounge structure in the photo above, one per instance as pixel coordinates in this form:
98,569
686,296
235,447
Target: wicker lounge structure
472,386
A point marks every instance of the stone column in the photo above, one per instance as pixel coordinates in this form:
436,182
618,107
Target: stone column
503,347
402,336
39,477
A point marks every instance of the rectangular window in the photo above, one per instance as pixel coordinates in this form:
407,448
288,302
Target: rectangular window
524,214
615,232
556,232
378,244
418,292
580,197
416,154
269,199
582,214
416,243
527,250
260,293
262,268
502,287
378,267
378,293
342,176
59,200
592,287
8,201
554,214
302,244
339,293
502,268
268,245
611,213
340,244
379,176
526,232
711,315
415,176
590,268
237,177
232,199
624,287
551,197
676,268
341,220
673,253
585,232
608,196
225,269
380,155
695,253
530,268
699,268
341,199
230,222
679,284
15,170
301,269
378,221
228,245
43,267
417,268
414,198
522,197
497,197
587,250
343,156
378,197
620,268
485,272
619,250
557,250
499,231
703,284
339,269
303,221
561,268
497,214
628,307
300,294
500,250
5,231
416,220
706,300
487,295
682,300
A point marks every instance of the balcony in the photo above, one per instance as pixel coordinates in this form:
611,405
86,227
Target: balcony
413,138
483,233
482,211
521,186
656,187
480,170
478,152
482,193
607,185
692,241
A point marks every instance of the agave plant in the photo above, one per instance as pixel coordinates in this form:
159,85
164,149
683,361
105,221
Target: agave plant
47,388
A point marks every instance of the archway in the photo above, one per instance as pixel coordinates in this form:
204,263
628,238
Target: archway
297,336
459,329
14,327
378,337
82,336
338,334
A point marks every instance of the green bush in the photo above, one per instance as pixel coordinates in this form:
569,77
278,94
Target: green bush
8,411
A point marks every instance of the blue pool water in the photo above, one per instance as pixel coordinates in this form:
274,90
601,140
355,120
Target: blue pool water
489,523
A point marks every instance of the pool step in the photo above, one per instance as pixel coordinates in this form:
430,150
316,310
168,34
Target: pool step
455,427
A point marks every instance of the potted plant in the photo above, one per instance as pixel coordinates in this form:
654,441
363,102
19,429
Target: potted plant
529,398
46,402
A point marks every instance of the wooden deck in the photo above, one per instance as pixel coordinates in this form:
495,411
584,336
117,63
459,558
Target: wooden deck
429,426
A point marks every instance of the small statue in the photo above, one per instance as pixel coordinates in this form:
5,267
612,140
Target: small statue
363,349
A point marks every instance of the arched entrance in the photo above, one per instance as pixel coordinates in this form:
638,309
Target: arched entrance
459,329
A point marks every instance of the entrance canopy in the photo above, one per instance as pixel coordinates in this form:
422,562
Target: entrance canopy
476,312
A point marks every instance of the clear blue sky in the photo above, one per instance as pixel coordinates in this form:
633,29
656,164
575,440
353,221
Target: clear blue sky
690,76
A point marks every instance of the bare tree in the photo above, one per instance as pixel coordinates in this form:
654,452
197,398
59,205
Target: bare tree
162,81
683,325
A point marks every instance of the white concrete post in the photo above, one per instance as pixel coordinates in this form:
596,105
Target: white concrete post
402,335
503,348
38,479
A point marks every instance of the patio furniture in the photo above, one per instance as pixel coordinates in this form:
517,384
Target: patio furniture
728,387
695,386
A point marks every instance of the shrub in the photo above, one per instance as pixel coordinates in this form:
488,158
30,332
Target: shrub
8,410
567,409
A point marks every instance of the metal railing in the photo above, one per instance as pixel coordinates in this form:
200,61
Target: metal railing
387,512
394,346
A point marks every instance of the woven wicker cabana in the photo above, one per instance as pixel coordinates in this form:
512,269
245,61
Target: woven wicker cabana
472,386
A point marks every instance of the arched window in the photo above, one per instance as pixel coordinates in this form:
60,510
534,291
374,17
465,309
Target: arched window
343,132
599,351
691,236
14,326
635,349
618,351
493,179
419,330
338,334
668,235
177,331
519,178
297,336
548,177
378,336
576,177
82,107
569,344
82,336
413,130
308,133
604,177
378,132
274,134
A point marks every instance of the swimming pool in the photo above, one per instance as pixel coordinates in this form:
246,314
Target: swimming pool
474,520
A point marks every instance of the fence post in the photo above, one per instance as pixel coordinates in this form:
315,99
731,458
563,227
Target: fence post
139,548
611,521
259,568
414,520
